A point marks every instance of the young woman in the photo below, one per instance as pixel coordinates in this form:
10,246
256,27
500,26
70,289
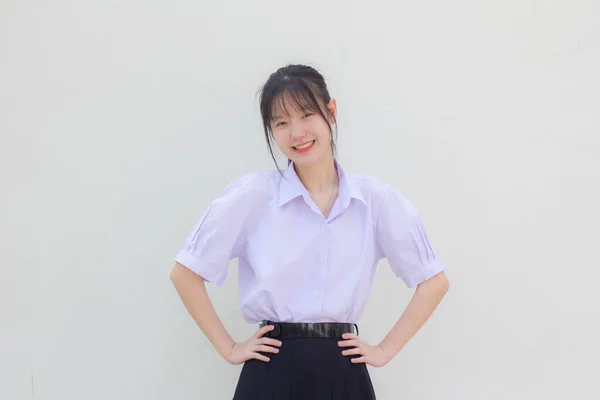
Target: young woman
308,239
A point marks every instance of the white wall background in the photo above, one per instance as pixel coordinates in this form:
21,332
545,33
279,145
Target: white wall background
121,120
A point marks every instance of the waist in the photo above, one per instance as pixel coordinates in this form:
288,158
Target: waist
274,301
290,330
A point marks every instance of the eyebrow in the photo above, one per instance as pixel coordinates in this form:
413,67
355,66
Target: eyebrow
302,109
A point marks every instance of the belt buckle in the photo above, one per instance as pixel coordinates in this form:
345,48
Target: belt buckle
276,332
276,328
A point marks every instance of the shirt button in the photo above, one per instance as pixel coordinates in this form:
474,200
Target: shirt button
318,294
321,259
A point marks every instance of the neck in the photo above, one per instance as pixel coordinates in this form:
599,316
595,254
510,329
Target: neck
319,177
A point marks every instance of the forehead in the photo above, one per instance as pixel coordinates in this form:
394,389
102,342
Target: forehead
286,103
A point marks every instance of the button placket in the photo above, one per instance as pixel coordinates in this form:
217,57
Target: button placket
322,264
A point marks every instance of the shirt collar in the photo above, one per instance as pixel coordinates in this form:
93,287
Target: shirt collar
291,187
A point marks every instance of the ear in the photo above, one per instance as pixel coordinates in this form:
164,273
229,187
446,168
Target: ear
332,106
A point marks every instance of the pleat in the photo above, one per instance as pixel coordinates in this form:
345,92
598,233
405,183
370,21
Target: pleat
306,370
323,388
282,388
366,387
303,387
337,389
252,384
351,388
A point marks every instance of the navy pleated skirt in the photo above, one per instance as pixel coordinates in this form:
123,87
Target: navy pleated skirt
305,369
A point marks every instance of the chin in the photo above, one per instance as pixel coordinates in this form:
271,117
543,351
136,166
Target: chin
305,160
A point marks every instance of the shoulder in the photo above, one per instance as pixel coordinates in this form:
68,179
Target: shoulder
250,187
382,196
369,185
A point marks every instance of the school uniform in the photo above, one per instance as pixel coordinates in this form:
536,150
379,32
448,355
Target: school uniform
308,275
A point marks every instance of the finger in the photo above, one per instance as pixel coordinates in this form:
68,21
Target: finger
267,349
359,360
260,357
350,352
348,343
264,330
349,336
269,341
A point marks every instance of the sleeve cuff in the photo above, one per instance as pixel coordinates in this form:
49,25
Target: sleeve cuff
424,273
194,265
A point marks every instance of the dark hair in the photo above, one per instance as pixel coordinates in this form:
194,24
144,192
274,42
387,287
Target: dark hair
304,88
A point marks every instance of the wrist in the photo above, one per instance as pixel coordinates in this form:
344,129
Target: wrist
387,353
226,349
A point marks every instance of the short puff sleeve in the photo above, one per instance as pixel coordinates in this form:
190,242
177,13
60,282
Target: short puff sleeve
219,235
401,238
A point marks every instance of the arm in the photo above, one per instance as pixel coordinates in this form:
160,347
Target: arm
192,290
402,239
425,300
217,238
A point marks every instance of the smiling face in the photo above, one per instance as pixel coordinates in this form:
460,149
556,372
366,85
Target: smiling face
298,113
301,128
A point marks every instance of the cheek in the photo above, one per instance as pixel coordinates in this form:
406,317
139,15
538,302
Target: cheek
321,130
282,140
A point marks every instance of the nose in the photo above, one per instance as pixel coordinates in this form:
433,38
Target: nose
297,131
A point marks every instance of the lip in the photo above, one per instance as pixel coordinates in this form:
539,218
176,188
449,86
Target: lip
305,149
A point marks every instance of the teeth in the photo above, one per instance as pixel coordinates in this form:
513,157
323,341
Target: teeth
305,145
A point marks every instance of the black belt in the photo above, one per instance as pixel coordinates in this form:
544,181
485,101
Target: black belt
290,330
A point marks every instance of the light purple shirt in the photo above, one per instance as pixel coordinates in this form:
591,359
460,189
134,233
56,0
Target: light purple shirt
294,264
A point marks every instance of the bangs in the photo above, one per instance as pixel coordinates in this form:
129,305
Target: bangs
287,95
293,100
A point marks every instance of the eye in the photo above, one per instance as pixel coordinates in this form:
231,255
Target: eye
280,124
307,115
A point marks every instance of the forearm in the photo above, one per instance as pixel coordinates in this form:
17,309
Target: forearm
192,290
425,300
